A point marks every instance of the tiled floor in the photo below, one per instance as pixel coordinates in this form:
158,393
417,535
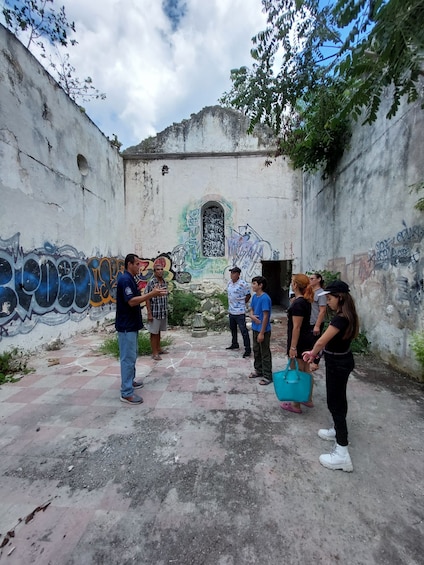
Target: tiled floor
205,439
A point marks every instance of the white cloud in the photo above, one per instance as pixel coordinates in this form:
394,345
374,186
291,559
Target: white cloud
151,74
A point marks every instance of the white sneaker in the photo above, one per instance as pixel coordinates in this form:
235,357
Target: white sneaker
329,435
339,458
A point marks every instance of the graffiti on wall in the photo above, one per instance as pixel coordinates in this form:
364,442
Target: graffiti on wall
247,249
403,252
53,284
396,260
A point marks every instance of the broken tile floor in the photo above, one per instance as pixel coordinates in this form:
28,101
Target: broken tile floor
209,470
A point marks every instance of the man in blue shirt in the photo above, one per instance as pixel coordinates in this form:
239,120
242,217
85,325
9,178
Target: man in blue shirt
127,323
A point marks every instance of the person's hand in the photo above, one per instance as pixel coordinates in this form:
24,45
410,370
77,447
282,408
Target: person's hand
260,337
292,353
308,357
158,291
255,319
316,331
313,366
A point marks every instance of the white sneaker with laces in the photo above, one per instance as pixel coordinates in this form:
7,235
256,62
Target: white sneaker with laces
329,435
339,458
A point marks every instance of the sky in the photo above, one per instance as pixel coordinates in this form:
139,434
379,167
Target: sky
158,61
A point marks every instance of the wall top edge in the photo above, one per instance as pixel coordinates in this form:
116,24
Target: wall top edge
188,155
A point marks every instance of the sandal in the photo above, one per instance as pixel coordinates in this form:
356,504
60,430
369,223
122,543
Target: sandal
308,404
290,408
254,376
156,357
265,382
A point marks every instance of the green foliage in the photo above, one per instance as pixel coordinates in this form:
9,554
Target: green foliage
360,344
33,23
181,303
417,346
11,363
327,276
111,346
307,84
32,17
223,298
417,187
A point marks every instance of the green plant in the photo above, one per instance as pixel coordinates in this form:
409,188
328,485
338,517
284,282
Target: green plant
417,346
11,363
320,65
360,344
327,276
181,303
223,298
111,347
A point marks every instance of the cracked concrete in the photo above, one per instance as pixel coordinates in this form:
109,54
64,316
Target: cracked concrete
209,470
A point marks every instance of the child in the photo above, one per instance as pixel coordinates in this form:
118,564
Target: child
260,313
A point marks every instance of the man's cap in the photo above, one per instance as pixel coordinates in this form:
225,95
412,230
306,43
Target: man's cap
335,287
235,270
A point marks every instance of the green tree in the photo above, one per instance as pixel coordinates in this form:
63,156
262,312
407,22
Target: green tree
318,65
34,22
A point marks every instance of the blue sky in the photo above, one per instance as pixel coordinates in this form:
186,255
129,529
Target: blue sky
158,61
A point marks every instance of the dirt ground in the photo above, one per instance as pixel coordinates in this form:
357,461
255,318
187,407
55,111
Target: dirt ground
209,470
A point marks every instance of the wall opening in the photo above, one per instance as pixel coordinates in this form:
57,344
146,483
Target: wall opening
278,276
213,237
82,164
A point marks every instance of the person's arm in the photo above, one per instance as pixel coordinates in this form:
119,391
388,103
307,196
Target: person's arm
330,332
261,334
320,320
137,300
297,323
247,297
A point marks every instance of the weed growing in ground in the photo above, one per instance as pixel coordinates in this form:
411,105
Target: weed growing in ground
111,347
12,363
417,346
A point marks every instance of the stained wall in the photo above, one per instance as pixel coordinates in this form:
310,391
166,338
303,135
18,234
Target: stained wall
62,207
362,223
211,160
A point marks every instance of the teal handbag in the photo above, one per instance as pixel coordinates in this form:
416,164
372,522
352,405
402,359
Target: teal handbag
291,384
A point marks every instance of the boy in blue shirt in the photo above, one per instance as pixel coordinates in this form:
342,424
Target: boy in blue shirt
260,314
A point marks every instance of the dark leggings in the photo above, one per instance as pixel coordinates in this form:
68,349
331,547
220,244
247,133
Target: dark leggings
337,371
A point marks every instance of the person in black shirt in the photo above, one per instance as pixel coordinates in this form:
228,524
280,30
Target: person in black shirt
339,363
127,323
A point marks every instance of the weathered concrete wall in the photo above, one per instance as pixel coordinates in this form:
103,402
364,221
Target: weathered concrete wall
62,207
362,222
260,197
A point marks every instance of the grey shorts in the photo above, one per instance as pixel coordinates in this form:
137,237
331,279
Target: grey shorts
156,325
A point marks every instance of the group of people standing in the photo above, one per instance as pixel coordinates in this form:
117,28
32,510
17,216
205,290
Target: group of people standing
306,342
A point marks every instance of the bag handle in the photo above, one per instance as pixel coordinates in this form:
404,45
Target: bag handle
289,368
296,366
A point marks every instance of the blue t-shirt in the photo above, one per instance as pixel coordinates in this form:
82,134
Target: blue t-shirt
259,305
128,318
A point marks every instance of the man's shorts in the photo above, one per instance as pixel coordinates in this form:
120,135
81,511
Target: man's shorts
156,325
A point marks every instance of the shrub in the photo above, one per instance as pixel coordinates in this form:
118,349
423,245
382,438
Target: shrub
223,298
181,304
360,344
417,346
11,363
